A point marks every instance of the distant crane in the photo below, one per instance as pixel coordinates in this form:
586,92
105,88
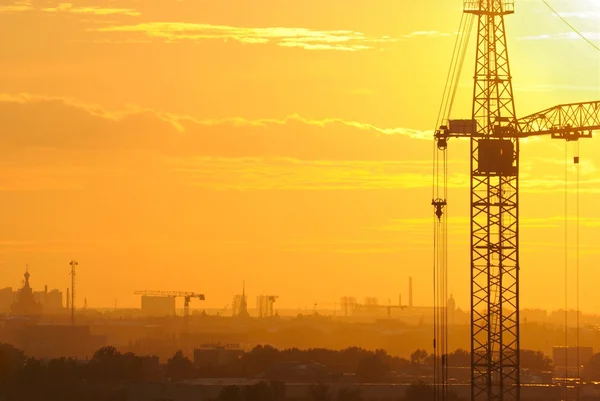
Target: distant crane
264,304
187,297
494,132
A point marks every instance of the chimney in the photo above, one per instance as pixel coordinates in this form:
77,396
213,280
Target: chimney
46,289
68,306
410,300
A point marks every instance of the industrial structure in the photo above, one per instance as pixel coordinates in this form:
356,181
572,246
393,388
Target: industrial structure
73,264
158,306
51,301
240,303
25,303
494,132
187,297
264,305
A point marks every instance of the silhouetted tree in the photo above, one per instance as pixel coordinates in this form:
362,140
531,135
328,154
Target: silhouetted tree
179,367
106,365
418,357
535,360
259,359
12,361
319,392
460,358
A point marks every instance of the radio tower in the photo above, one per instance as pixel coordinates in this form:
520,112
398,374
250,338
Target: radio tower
73,264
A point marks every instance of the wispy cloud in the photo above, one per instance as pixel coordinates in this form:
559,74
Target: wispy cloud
427,34
27,5
69,8
244,174
135,127
554,88
590,14
343,40
563,36
17,6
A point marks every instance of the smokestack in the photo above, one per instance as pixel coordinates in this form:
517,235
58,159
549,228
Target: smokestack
410,301
68,306
400,300
46,289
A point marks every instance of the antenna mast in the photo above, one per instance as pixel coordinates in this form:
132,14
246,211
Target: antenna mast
73,264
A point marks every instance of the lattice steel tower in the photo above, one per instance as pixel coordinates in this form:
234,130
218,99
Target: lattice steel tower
494,212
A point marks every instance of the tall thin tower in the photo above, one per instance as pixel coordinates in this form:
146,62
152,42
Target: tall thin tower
73,264
494,212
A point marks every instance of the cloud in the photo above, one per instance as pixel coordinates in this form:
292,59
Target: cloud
563,36
288,153
69,8
580,14
294,136
427,34
553,88
17,6
308,39
246,174
27,5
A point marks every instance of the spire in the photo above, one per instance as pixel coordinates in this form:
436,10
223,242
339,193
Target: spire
26,275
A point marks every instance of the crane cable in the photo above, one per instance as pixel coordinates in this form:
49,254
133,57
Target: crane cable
439,201
576,161
566,269
577,169
571,26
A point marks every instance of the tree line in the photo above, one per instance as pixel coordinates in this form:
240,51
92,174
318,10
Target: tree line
105,375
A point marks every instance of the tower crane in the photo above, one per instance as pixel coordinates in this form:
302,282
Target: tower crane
187,296
494,132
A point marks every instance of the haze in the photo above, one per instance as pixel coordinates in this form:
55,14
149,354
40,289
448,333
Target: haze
191,145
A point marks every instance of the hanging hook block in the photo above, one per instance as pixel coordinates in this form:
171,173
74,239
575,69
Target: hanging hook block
438,205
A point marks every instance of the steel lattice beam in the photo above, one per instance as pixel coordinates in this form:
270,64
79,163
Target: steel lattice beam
564,121
494,215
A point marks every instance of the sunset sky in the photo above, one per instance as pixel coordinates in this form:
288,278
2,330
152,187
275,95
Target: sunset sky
193,144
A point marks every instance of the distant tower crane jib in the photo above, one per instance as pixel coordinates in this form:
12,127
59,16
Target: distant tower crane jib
187,297
494,132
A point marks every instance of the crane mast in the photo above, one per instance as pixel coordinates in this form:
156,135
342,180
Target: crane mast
494,213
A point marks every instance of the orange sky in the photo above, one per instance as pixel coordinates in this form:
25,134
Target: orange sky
189,145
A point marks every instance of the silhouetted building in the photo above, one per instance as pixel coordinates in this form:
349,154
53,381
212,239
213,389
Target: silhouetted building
7,298
240,304
567,359
26,303
52,301
158,306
